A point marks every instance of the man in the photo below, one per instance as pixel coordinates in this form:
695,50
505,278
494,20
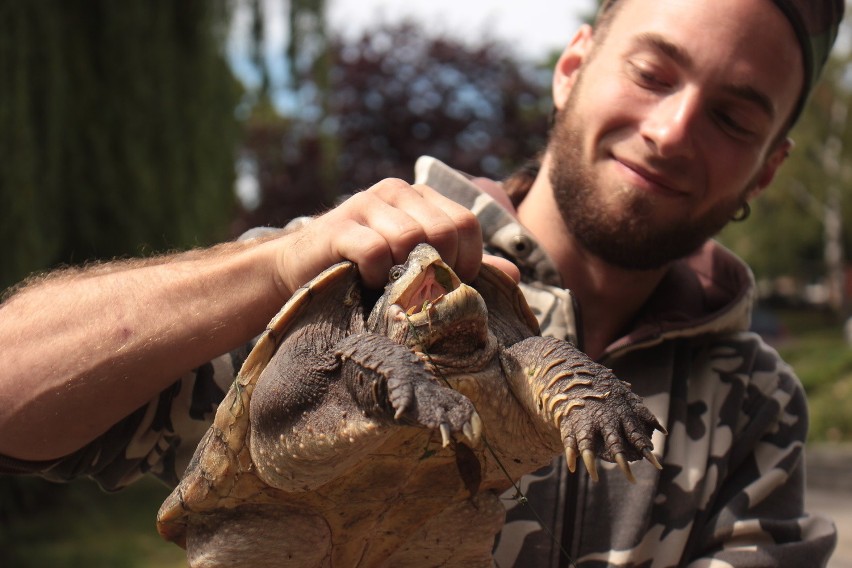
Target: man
670,116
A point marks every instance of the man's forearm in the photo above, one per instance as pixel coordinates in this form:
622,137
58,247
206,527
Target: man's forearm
82,349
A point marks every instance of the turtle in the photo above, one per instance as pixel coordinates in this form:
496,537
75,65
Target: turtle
382,432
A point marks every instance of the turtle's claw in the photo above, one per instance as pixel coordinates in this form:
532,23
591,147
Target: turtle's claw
625,467
467,430
649,455
473,429
445,434
571,458
589,460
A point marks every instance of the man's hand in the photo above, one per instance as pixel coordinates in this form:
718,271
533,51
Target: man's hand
376,229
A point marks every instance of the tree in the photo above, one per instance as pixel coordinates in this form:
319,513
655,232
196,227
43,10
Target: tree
397,94
119,132
794,229
393,95
118,138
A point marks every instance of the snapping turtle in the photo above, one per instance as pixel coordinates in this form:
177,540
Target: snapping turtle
386,440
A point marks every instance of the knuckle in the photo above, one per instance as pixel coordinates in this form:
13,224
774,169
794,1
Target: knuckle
344,213
409,234
466,221
424,189
389,186
442,232
374,262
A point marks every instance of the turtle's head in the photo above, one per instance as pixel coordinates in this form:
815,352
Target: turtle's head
427,307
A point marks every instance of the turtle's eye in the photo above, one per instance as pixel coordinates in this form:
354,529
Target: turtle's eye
396,272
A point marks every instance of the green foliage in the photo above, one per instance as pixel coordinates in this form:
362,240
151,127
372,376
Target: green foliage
118,130
78,525
829,407
823,361
785,234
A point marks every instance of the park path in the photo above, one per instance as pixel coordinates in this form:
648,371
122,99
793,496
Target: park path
830,494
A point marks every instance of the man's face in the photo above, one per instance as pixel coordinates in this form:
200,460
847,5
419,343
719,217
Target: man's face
669,123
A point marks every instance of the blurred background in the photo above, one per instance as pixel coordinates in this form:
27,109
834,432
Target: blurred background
139,127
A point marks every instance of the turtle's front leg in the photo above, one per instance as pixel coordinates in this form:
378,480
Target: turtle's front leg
314,416
390,382
594,413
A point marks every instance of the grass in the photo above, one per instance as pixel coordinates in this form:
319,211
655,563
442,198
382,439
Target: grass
822,359
78,525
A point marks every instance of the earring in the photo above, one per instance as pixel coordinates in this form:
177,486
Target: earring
743,213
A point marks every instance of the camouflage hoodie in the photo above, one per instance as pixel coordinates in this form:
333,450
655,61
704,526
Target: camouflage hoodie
732,486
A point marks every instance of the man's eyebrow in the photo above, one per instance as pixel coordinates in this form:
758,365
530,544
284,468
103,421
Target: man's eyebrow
682,58
672,51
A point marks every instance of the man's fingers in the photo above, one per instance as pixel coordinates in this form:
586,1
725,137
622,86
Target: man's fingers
405,215
369,250
460,247
378,227
397,213
421,214
503,264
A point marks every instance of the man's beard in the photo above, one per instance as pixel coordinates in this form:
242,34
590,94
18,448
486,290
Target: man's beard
632,239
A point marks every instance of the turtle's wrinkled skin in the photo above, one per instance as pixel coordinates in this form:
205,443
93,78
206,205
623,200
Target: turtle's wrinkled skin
350,439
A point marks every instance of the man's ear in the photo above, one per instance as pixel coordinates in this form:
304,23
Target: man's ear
771,165
565,72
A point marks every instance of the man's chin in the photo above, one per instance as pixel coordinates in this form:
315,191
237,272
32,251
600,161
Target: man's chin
632,248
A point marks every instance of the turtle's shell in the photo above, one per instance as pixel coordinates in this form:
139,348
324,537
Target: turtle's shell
341,437
220,473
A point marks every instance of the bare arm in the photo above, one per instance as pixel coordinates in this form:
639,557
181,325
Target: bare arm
83,349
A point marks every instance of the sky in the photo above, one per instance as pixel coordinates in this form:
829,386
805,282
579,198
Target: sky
535,27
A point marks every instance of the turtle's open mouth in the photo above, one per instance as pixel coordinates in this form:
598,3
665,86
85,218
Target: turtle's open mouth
441,313
428,288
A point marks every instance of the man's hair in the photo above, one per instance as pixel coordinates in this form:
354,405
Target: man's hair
606,13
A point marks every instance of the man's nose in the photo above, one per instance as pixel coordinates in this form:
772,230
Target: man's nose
669,127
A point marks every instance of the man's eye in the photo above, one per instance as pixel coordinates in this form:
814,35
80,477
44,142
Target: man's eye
646,76
732,125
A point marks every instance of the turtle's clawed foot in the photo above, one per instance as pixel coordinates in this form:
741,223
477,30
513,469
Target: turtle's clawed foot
607,421
611,439
425,403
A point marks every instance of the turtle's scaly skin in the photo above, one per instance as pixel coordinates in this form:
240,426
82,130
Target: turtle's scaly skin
355,441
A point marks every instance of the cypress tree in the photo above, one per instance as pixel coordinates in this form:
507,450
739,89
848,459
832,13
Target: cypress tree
118,130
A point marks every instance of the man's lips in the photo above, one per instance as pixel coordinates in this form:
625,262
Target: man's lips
652,179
